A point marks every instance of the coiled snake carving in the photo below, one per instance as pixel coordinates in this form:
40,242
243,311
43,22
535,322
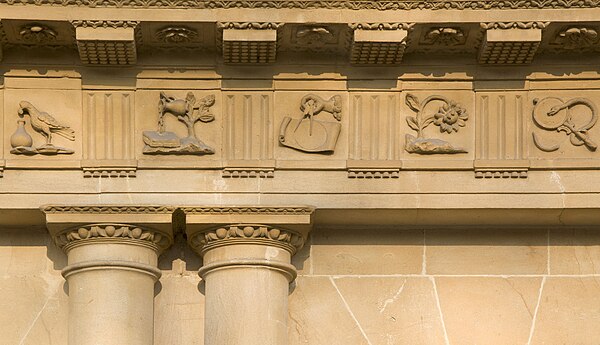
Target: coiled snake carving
578,135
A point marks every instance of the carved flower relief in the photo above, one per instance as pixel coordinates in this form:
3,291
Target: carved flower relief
445,37
176,35
316,36
38,33
450,117
575,38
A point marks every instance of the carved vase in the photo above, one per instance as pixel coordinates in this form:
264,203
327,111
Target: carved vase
21,138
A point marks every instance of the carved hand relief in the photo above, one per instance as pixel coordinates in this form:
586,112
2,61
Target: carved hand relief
44,124
188,111
450,116
309,134
553,114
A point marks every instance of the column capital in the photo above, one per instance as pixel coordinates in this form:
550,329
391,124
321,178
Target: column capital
286,227
141,225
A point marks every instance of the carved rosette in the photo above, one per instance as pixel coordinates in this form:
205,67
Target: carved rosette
246,234
112,232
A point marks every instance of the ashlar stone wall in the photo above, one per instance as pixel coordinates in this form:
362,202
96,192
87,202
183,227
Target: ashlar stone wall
357,286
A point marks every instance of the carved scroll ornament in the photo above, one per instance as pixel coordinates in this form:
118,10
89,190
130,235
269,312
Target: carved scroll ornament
450,117
553,114
188,111
44,124
309,134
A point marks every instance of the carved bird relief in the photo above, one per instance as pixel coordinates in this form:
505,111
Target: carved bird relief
46,125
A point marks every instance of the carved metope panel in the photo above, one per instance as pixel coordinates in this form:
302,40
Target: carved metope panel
374,126
500,134
42,123
108,124
308,134
249,133
438,124
178,123
564,124
311,123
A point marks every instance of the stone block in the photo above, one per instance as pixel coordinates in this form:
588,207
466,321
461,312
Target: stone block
486,251
357,252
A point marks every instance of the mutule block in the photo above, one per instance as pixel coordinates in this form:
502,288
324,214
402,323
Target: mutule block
106,45
378,46
510,46
249,46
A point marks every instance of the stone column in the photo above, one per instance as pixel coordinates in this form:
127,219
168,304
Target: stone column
111,271
247,271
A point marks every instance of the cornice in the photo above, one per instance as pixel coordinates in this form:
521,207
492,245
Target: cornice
381,26
53,209
386,5
249,25
114,232
246,234
514,25
261,210
114,24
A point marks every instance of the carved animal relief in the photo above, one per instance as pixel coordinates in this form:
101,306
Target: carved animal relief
188,111
553,114
450,117
44,124
309,134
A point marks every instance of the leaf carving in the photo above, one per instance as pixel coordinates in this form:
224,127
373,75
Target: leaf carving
413,102
428,121
412,123
208,117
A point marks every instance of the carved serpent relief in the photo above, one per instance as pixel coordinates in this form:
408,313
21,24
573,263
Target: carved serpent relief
44,124
449,118
309,134
553,114
188,111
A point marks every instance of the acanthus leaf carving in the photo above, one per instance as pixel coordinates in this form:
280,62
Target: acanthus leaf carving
552,114
450,117
44,124
188,111
309,134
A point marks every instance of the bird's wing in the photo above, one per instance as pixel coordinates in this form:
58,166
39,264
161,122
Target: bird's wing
49,120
